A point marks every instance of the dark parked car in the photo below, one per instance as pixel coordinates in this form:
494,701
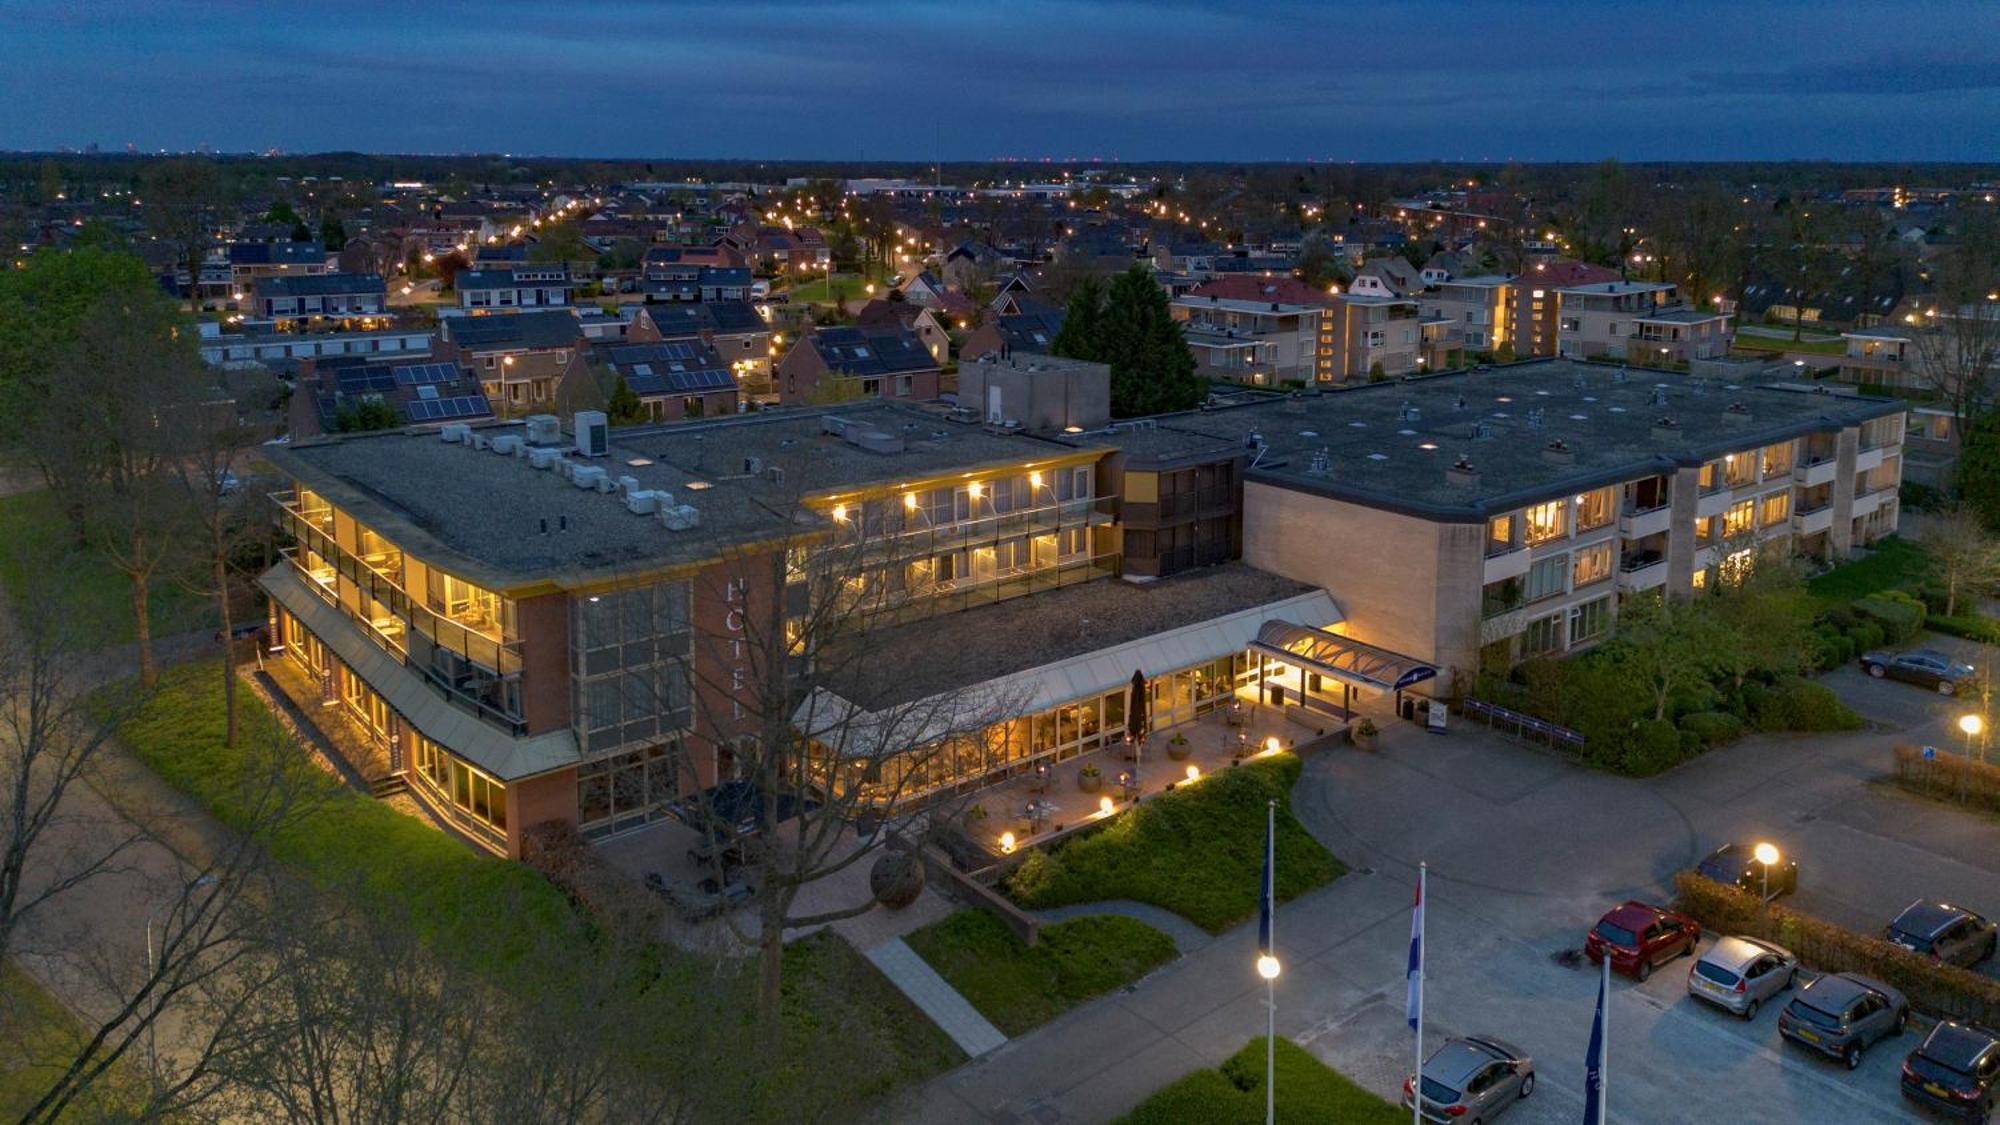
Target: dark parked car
1955,1072
1926,666
1736,865
1841,1014
1947,933
1472,1078
1638,937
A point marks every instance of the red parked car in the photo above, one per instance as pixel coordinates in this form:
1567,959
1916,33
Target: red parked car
1638,937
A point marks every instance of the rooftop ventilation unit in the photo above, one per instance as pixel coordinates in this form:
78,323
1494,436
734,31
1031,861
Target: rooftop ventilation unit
588,476
832,424
875,441
544,429
774,473
543,458
508,445
680,517
641,502
628,485
455,432
753,466
593,433
481,441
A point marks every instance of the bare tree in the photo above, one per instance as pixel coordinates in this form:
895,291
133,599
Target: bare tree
1958,341
1967,556
211,493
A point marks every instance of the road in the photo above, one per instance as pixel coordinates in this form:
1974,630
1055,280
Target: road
1525,851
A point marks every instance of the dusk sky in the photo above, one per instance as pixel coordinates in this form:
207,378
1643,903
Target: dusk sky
1669,79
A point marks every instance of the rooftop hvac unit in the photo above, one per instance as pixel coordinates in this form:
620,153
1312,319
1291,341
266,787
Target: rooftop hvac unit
544,429
875,441
679,517
752,466
508,444
455,432
832,424
593,433
640,501
628,484
543,458
481,441
774,473
588,476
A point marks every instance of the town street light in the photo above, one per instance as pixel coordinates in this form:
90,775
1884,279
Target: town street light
1767,854
203,880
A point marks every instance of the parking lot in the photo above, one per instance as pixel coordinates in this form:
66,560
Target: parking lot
1526,851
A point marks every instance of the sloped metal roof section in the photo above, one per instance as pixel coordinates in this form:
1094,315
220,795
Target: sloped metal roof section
1343,658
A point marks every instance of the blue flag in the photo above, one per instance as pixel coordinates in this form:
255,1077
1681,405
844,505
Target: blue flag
1593,1063
1268,895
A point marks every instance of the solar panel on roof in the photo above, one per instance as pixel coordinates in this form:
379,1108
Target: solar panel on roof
362,380
419,374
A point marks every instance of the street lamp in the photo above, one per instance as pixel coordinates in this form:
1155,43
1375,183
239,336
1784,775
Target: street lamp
1767,854
203,880
1268,967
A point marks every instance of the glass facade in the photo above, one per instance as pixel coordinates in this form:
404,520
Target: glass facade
618,792
471,797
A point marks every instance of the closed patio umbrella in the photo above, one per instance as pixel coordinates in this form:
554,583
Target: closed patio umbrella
1135,713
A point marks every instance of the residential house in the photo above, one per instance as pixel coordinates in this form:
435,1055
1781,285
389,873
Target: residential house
522,361
1387,277
835,364
344,301
883,313
739,333
1641,322
675,379
425,393
1265,343
522,287
1011,333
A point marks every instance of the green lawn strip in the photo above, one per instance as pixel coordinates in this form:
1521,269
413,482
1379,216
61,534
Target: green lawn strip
843,1014
39,559
40,1038
1308,1093
1019,986
1892,563
504,921
1197,851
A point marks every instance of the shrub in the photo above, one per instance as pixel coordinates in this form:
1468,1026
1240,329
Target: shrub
557,850
1949,775
1971,626
1654,746
1900,620
1943,990
1802,705
1864,636
1712,728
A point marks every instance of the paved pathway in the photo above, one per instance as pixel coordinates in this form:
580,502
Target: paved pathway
1187,936
938,999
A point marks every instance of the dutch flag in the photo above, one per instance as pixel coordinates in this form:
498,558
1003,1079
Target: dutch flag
1414,1010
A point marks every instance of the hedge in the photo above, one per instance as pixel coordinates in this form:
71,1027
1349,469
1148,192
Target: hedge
1949,775
1946,991
1795,704
1713,728
1971,626
1900,615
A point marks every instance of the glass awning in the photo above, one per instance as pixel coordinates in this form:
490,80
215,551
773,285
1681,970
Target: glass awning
1343,658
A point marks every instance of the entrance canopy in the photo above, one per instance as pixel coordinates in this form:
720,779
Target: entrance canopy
1342,658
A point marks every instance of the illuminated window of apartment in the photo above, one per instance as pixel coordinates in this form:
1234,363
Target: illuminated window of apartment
1499,534
1700,579
1544,522
1739,518
1595,509
1739,469
465,791
1593,564
1590,620
1777,459
1708,477
1775,507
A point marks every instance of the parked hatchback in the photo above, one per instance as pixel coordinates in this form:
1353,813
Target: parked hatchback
1739,973
1956,1072
1735,865
1925,666
1841,1014
1637,937
1472,1078
1944,932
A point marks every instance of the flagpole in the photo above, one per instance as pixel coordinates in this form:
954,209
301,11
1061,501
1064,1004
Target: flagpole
1604,1049
1271,981
1417,1083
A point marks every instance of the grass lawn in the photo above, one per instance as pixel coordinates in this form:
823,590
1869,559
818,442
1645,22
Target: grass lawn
41,1037
506,923
35,544
1780,339
1309,1093
822,288
1019,987
1892,563
1197,851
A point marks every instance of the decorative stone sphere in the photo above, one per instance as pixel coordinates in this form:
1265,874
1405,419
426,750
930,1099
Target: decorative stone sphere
896,879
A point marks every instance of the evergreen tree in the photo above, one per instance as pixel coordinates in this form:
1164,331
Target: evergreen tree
1078,338
624,407
1979,468
333,234
1152,370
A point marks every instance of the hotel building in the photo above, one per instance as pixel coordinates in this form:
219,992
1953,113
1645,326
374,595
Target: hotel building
522,626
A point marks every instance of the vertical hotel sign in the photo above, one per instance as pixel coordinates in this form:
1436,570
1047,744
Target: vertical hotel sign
735,617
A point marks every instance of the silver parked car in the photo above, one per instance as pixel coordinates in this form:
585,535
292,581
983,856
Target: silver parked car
1740,973
1471,1080
1840,1014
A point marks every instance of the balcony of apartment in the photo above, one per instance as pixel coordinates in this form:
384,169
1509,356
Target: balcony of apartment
1713,503
1813,516
1506,560
1869,458
1815,468
1644,568
987,585
917,536
1639,522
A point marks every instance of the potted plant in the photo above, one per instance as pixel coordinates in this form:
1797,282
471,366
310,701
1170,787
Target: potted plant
1089,779
1363,734
974,817
1178,748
